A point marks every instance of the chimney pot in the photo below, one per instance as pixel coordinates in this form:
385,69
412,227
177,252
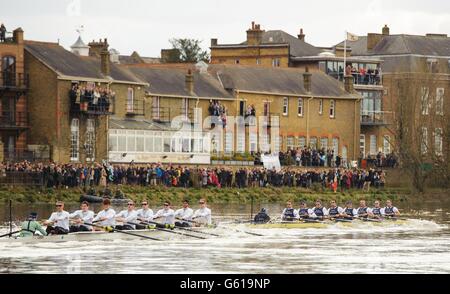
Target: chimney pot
301,36
105,62
386,30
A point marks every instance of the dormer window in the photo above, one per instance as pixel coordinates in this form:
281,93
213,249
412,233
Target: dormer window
432,65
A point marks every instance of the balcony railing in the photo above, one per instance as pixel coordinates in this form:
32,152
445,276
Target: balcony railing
137,107
367,79
161,114
13,120
89,104
374,118
11,80
7,38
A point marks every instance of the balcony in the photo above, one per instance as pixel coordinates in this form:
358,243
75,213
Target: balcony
161,114
8,38
13,120
376,118
14,81
135,107
369,79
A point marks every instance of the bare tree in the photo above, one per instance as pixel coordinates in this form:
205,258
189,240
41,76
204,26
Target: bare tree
422,128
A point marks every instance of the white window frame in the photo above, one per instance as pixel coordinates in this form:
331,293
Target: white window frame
321,106
300,107
313,141
440,92
276,62
332,109
285,106
425,104
301,142
90,140
185,108
324,143
362,144
258,61
75,140
290,142
424,141
373,145
130,100
156,113
386,144
438,142
336,146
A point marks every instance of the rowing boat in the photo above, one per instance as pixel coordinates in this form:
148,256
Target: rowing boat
324,224
107,236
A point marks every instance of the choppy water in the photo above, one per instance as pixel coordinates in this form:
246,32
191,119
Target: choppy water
421,246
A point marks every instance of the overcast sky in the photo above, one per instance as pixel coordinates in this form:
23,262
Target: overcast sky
147,25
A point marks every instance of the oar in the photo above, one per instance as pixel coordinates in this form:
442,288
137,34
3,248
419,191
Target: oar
189,230
126,233
10,234
240,231
168,231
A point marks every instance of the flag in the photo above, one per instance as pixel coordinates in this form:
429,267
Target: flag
352,37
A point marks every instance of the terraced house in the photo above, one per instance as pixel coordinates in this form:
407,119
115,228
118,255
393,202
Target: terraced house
72,97
276,48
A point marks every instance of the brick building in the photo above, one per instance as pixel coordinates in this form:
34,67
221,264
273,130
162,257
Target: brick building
422,61
14,123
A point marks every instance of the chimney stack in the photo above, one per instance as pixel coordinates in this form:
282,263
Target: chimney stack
386,31
18,36
254,35
105,62
349,83
302,36
307,80
189,83
96,48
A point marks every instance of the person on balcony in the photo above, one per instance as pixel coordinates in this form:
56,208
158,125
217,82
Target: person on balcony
2,33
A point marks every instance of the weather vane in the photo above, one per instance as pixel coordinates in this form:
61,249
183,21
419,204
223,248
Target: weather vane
80,29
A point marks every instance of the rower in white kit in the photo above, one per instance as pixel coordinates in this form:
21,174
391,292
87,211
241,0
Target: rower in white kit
128,217
167,216
145,216
58,223
184,215
203,215
106,217
79,217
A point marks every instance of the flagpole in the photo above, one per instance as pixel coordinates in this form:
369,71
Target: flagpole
345,54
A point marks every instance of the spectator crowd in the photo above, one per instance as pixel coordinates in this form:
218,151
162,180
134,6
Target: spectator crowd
102,175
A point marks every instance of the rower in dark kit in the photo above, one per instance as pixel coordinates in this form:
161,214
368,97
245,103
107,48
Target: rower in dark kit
349,212
377,211
304,212
363,210
262,217
391,211
319,212
289,213
335,211
58,223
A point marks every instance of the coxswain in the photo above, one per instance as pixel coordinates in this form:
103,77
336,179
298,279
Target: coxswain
319,212
363,210
349,212
31,226
184,215
58,223
79,217
128,218
167,216
304,211
145,215
203,215
262,217
390,210
335,211
107,217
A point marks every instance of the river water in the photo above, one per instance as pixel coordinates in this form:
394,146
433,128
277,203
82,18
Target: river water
420,246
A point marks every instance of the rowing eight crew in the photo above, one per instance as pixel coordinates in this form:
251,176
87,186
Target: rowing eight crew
132,219
336,212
